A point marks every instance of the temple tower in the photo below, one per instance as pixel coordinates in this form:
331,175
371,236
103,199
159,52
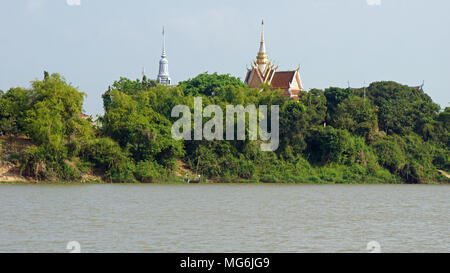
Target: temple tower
163,75
264,72
262,69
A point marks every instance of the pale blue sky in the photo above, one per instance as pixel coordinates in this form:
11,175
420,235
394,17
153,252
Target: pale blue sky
333,41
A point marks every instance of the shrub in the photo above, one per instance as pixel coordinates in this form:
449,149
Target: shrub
390,155
410,157
148,171
108,157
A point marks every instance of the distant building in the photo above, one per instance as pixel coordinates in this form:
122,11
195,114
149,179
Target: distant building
264,72
419,87
163,75
95,121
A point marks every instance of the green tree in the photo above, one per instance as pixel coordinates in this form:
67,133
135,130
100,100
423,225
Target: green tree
334,97
402,109
410,157
13,107
128,87
294,124
108,157
441,128
316,103
55,115
138,128
54,124
329,145
355,115
209,84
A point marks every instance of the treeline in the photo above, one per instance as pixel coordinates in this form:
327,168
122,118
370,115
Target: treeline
387,132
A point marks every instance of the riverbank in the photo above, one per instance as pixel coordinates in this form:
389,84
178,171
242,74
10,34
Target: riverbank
181,181
10,174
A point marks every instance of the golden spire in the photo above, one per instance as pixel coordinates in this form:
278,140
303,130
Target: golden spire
261,59
262,47
262,70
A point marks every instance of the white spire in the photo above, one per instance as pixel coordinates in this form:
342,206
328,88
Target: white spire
164,44
163,75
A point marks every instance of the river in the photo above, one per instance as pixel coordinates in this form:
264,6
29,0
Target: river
224,218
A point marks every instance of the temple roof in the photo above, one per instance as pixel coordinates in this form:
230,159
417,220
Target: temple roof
420,87
247,76
283,79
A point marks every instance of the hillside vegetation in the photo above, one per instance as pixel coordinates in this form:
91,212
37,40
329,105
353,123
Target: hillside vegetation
387,133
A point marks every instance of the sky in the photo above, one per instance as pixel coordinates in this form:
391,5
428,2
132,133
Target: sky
92,43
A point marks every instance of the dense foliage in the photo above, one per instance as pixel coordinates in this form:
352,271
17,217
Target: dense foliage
209,84
387,132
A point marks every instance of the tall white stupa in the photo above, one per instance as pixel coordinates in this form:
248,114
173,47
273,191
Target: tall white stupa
163,75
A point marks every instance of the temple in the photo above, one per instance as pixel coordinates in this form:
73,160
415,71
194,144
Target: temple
163,75
264,72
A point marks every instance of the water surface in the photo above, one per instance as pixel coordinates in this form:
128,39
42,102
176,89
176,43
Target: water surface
224,218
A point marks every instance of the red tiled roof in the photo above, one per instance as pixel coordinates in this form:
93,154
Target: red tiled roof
247,76
282,79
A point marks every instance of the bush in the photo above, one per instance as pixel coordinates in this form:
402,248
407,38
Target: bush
48,163
410,157
108,157
121,172
442,159
329,145
148,171
32,163
390,155
70,172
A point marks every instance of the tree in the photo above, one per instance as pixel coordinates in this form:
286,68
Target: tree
444,118
334,97
402,109
410,157
329,145
55,115
54,124
355,115
440,128
209,84
133,123
316,104
13,107
128,87
294,124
